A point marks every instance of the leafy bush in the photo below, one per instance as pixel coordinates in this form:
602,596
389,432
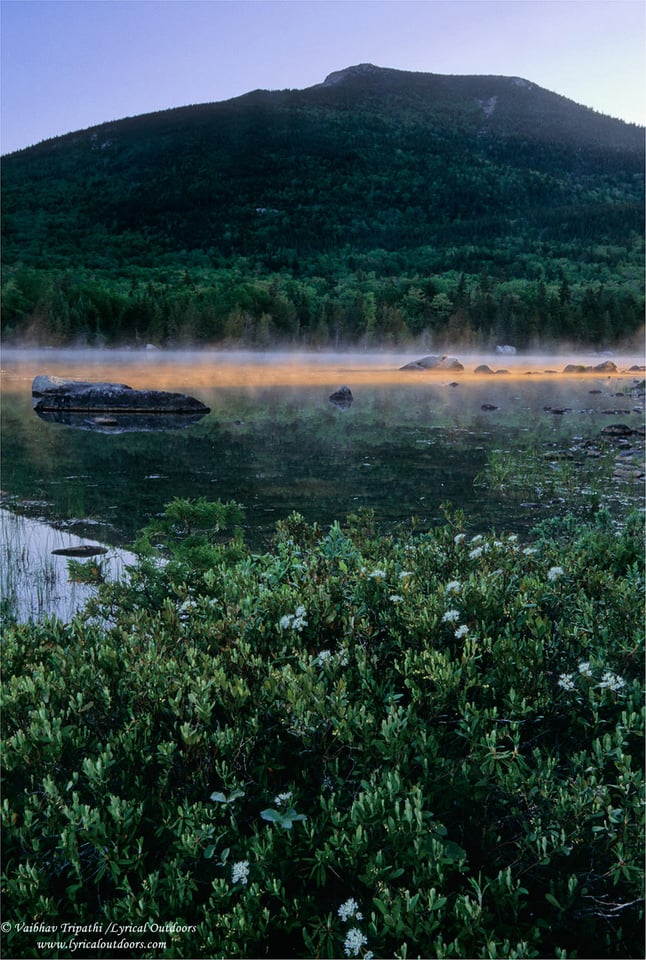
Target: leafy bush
351,745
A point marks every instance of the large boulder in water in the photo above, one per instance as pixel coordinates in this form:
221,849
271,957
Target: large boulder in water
607,366
434,363
57,394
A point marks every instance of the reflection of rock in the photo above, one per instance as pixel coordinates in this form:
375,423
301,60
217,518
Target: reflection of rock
488,406
122,422
434,363
342,398
56,394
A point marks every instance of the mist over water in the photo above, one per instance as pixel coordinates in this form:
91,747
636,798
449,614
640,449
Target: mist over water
409,441
171,369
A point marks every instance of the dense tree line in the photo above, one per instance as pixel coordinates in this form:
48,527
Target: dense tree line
231,306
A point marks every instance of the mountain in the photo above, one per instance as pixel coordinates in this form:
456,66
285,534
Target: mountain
378,203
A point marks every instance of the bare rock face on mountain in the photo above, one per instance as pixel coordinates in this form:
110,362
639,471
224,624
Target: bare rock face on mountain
56,394
434,363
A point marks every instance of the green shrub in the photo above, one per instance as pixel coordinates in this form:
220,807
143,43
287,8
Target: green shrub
351,745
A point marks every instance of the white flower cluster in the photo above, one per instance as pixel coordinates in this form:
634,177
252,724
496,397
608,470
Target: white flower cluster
350,910
453,586
354,941
186,608
451,616
396,598
240,872
555,572
609,680
377,575
294,621
283,798
354,938
326,656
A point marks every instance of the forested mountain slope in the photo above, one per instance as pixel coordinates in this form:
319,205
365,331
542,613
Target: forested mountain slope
376,206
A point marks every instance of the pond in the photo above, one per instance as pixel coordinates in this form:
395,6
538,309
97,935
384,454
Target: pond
275,443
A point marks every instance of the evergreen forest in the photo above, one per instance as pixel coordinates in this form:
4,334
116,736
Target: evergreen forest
379,208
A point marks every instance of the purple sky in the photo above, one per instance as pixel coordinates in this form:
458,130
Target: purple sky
70,64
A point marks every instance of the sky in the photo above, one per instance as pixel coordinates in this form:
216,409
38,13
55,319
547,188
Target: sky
70,64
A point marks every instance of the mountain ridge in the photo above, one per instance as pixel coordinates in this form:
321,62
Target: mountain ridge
362,73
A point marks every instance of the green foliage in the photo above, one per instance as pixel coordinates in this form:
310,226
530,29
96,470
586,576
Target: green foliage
414,745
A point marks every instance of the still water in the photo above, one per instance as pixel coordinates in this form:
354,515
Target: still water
275,443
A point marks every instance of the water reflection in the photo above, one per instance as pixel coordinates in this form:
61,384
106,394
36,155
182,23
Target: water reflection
276,443
34,576
114,423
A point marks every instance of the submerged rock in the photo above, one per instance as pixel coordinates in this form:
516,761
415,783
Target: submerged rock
617,430
434,363
483,368
54,394
83,550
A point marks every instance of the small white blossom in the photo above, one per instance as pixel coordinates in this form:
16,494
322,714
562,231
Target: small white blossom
299,618
513,537
612,681
295,621
555,572
405,573
283,798
368,955
451,616
566,680
461,631
477,538
377,575
323,657
354,940
240,872
528,551
453,586
350,910
459,538
584,668
395,598
186,608
497,543
342,655
475,553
